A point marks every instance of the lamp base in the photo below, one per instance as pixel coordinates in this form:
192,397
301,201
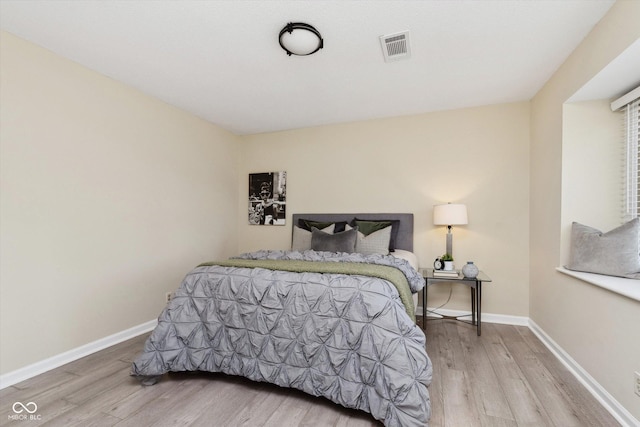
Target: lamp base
449,243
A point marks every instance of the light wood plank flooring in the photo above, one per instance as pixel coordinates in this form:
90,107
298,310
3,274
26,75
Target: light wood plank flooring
506,377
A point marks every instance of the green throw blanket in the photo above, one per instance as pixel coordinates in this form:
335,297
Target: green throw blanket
391,274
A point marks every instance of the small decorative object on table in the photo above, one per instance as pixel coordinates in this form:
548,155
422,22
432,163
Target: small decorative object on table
470,270
448,262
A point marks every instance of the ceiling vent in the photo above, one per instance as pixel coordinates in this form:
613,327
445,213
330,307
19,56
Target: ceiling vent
396,46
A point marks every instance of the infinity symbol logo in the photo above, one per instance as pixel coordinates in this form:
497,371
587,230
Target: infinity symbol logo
23,407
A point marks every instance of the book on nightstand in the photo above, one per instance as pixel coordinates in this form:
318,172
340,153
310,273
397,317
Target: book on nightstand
446,273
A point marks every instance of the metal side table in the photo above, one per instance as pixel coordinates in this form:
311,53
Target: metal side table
474,284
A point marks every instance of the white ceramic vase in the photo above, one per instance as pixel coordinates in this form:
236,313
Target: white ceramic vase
470,270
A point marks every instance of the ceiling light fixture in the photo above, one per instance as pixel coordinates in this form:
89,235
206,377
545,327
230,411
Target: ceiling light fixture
298,38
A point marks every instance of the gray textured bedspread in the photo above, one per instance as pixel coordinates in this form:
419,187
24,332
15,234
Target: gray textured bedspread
345,337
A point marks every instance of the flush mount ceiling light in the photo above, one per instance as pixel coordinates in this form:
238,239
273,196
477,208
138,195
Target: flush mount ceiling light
298,38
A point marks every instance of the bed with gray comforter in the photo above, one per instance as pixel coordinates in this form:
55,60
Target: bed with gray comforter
335,325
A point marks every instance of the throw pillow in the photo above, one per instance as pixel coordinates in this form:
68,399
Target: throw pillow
344,241
375,243
615,253
308,224
369,226
302,238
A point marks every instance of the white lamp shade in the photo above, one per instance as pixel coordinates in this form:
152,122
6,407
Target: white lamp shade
450,214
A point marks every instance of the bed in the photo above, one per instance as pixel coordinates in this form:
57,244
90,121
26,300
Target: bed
332,323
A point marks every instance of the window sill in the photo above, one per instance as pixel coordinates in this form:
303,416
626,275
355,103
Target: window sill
630,288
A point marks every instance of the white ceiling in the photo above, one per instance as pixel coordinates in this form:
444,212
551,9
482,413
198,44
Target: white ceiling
221,60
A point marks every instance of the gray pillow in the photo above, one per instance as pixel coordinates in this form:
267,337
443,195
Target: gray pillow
344,241
615,253
301,240
376,242
367,227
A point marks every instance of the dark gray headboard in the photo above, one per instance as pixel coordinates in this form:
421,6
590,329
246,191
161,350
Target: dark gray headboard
405,232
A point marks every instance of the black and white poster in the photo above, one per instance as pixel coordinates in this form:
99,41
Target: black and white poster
267,198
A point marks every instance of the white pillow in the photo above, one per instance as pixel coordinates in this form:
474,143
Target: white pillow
407,256
302,238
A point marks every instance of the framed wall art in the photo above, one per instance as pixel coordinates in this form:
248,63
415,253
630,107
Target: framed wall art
267,198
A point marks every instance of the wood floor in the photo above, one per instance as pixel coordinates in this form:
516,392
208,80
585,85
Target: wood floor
506,377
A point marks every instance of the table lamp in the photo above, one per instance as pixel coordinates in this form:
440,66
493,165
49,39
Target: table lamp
450,214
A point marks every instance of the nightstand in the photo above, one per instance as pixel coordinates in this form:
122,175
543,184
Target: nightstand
474,284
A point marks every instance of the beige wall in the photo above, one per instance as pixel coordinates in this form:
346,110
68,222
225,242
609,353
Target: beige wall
107,198
597,328
476,156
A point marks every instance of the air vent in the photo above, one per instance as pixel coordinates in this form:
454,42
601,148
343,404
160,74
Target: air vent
396,46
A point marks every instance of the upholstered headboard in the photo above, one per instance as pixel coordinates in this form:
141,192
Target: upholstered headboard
405,231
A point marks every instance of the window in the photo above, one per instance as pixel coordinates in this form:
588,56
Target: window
630,103
632,160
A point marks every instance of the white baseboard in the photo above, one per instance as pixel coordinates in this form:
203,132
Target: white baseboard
485,317
623,416
38,368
